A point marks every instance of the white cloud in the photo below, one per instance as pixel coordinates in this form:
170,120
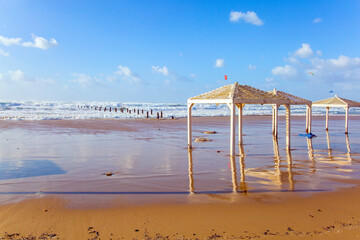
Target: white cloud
286,71
304,52
83,79
252,67
19,77
10,41
318,52
219,63
317,20
162,70
342,63
3,53
128,75
249,17
40,42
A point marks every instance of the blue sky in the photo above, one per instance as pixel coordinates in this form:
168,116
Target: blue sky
168,51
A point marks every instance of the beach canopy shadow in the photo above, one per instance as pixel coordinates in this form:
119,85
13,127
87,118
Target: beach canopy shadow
13,169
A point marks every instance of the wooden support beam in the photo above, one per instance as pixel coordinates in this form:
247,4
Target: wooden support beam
346,119
189,125
288,128
327,119
276,120
307,119
240,116
310,118
232,129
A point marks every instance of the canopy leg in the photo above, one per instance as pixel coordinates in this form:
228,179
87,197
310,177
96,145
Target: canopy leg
310,118
189,125
327,119
307,119
232,129
288,134
240,107
276,120
346,119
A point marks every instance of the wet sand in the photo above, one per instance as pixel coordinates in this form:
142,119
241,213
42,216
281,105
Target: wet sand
159,190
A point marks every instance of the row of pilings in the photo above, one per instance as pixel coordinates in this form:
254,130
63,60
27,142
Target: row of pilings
136,112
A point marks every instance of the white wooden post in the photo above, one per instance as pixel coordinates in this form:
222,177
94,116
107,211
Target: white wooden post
240,116
276,120
310,118
307,119
273,119
232,129
288,122
346,119
327,119
189,125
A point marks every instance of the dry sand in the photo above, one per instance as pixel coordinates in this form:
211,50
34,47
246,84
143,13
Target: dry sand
258,215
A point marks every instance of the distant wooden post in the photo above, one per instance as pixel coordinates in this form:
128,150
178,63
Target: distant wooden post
147,114
105,109
129,111
327,118
346,119
95,108
151,111
288,128
157,115
142,111
100,108
110,109
161,114
115,109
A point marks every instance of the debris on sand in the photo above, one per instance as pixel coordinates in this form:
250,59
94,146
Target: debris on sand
109,174
210,132
200,139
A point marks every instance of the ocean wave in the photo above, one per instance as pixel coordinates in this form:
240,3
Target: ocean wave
58,110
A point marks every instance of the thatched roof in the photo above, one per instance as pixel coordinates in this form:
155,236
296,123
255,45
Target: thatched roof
239,94
294,100
336,102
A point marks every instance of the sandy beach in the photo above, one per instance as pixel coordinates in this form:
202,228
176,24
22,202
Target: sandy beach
54,182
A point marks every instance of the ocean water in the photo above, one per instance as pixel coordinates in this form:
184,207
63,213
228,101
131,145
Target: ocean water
57,110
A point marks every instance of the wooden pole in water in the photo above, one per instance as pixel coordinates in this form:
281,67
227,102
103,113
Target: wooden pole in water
189,125
157,115
151,111
138,112
147,114
346,119
288,128
310,118
276,120
327,118
161,114
240,116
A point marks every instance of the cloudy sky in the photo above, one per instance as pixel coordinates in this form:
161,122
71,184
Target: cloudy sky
168,51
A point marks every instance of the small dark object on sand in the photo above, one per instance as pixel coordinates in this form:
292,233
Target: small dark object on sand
199,139
109,174
210,132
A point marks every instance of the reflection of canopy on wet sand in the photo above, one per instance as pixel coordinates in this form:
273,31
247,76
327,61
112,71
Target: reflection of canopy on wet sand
275,177
335,156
